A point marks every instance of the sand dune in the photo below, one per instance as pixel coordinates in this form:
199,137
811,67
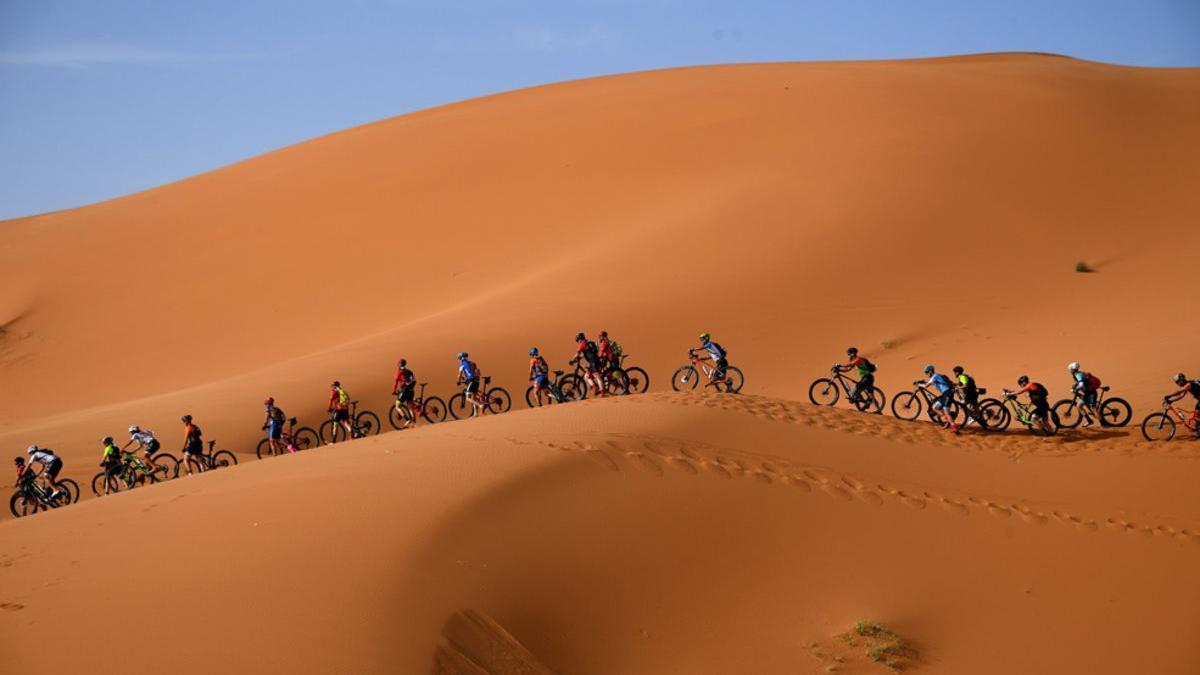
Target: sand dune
925,211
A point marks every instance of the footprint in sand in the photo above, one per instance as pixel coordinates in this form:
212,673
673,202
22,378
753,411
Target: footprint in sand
684,464
717,468
800,483
646,462
603,459
871,497
954,507
838,491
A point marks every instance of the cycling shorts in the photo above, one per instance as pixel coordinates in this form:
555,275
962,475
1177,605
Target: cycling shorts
341,415
943,401
472,386
541,380
194,448
1090,397
721,365
406,395
275,430
971,396
54,467
1041,406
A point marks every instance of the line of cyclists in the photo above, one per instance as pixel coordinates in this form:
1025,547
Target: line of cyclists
138,458
960,390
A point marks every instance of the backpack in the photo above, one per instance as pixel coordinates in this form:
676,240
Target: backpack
870,367
343,397
967,382
1093,382
591,351
1036,390
277,415
615,347
720,349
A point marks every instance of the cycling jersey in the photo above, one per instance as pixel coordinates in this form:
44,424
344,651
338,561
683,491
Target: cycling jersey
112,454
605,349
941,382
44,456
860,367
1194,389
716,351
143,437
967,382
339,399
538,366
275,414
467,370
404,378
587,351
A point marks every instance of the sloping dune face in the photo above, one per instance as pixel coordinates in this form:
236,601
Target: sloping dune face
937,207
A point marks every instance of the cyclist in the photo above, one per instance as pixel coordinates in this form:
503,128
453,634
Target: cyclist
1187,387
1086,386
111,461
146,441
716,354
339,405
469,375
588,355
966,384
20,462
273,425
193,444
539,372
403,388
610,350
945,394
1038,398
863,368
51,463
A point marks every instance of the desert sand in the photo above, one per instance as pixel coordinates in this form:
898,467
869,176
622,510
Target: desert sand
925,211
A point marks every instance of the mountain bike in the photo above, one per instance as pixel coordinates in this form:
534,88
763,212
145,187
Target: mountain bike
559,390
134,472
362,424
828,390
214,459
432,409
614,379
31,496
494,399
1160,427
1023,413
292,440
687,378
1114,412
636,378
989,413
908,405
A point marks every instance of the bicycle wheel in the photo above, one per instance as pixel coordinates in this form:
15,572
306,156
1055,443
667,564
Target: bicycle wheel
872,404
333,432
1041,430
639,381
114,484
223,458
433,410
264,449
734,380
22,505
397,415
305,438
907,406
71,487
460,408
531,400
571,388
994,414
824,391
616,383
1070,414
1115,412
498,400
168,463
367,423
685,379
1158,427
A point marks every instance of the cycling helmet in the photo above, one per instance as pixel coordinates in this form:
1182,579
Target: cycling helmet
270,401
580,336
851,351
1180,378
958,370
107,440
133,429
1023,380
1073,366
929,370
533,351
403,363
705,336
186,419
603,333
462,356
18,460
31,449
336,384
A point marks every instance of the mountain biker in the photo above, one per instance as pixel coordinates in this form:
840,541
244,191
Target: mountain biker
1187,387
111,461
610,350
966,384
146,441
588,355
945,391
51,465
716,354
469,375
193,444
1038,398
339,405
1087,387
273,425
404,389
539,372
20,462
863,368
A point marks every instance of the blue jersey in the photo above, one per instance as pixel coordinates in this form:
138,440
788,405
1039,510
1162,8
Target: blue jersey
941,382
715,350
464,368
1080,379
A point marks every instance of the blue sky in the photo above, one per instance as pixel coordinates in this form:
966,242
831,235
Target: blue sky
100,99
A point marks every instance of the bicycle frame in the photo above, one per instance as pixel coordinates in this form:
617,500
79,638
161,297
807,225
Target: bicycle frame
1188,418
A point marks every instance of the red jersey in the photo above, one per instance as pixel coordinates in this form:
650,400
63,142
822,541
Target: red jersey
335,399
404,377
605,348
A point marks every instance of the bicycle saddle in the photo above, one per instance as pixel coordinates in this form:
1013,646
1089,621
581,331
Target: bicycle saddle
1105,388
291,420
982,390
487,379
353,402
559,372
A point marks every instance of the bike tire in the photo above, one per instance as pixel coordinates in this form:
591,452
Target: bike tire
639,381
367,423
264,449
531,400
1158,427
907,406
333,432
1054,426
734,380
305,438
1115,412
616,383
223,458
995,415
20,505
72,488
498,400
434,410
824,391
396,417
571,388
169,462
1070,414
460,408
686,378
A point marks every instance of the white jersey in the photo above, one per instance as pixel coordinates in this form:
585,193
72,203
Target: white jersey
143,437
43,456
